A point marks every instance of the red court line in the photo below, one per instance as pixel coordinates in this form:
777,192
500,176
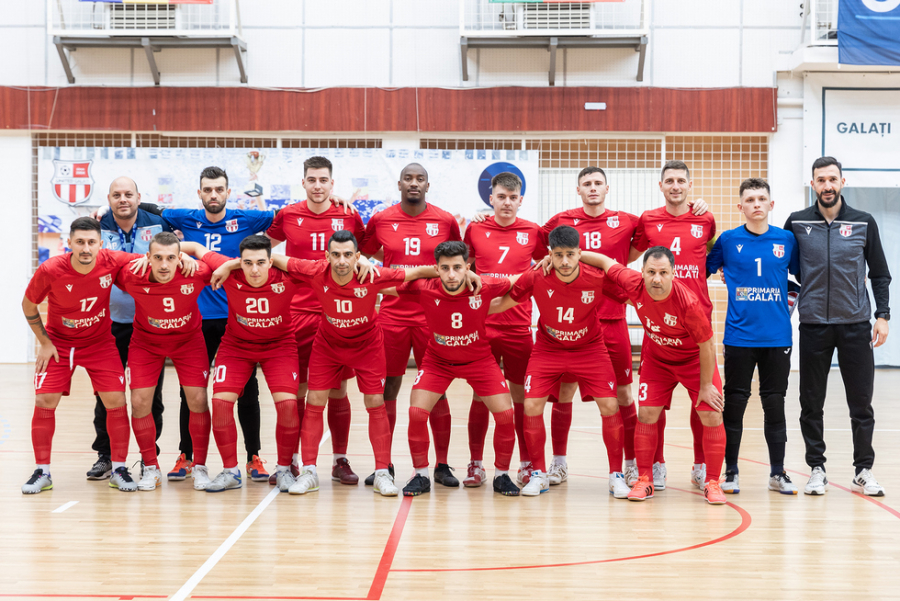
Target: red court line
121,597
387,558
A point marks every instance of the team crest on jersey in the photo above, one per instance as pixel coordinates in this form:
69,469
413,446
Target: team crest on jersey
187,288
697,231
475,301
360,292
105,281
670,320
431,229
612,222
846,230
778,250
337,224
587,296
278,288
146,235
522,238
231,226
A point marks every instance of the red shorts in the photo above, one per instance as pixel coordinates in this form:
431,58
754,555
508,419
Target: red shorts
397,341
658,380
366,356
100,359
235,362
512,345
146,359
483,375
590,368
618,344
306,326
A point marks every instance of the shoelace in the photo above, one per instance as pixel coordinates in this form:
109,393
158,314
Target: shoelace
122,472
35,476
181,464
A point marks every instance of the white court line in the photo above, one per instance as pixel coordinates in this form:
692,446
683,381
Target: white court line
210,563
62,508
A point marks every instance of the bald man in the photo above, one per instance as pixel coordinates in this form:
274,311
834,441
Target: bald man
127,228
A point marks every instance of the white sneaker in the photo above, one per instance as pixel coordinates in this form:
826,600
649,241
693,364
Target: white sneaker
226,480
38,482
865,483
284,480
782,483
384,484
731,485
631,474
537,484
817,482
524,474
307,481
150,478
200,473
618,487
558,473
698,476
659,476
121,479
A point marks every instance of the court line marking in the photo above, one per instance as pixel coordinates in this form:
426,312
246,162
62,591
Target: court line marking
229,542
390,549
65,506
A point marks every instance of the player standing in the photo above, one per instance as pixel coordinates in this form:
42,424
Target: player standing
408,233
306,226
688,236
678,348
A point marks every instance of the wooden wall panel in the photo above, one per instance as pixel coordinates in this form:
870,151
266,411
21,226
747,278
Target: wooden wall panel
746,110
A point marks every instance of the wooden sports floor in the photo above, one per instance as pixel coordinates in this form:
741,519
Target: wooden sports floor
84,540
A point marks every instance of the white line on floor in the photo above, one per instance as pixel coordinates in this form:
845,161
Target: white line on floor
194,580
62,508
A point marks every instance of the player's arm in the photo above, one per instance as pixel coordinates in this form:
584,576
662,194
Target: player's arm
223,271
48,349
503,303
709,394
597,260
633,254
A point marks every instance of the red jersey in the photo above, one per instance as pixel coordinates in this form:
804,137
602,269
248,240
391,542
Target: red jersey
78,304
686,236
501,252
674,326
306,235
609,233
456,322
348,310
568,319
257,315
163,311
407,242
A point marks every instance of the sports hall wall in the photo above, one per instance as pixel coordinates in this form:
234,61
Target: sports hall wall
728,50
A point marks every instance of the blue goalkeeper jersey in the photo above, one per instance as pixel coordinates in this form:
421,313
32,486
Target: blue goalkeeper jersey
756,273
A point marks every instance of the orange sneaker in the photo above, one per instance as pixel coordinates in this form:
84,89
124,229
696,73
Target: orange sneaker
256,471
182,469
713,493
642,490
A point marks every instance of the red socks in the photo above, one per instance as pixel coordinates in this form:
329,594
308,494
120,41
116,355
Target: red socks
560,422
119,433
478,427
287,430
301,409
613,435
145,435
519,409
659,456
440,427
629,422
199,425
504,438
536,439
390,408
380,436
697,432
339,417
418,437
714,450
225,431
645,445
43,424
311,434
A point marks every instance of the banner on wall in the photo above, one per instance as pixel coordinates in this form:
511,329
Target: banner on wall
72,182
861,128
867,32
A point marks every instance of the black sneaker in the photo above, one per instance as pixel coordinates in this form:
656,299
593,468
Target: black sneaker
419,485
101,470
443,476
370,481
506,487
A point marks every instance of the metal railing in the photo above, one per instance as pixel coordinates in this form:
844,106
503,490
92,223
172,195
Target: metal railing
103,19
517,19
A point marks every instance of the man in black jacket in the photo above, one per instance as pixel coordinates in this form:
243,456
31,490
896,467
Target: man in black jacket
836,244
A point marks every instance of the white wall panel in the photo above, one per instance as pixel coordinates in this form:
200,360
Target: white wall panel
343,13
426,57
23,62
761,48
694,13
276,59
599,67
434,13
272,13
196,67
101,66
515,66
25,13
346,57
766,13
692,58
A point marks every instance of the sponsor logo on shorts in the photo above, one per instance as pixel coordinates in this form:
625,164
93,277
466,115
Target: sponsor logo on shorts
173,323
670,320
259,322
764,294
360,292
566,335
347,323
778,250
278,287
105,281
84,322
382,381
187,288
205,373
121,379
628,371
522,238
611,385
612,222
475,301
697,231
293,373
464,340
587,296
337,225
431,229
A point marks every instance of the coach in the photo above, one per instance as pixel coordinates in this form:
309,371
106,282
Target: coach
836,242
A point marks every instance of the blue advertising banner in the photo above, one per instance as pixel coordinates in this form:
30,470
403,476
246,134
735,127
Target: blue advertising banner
868,32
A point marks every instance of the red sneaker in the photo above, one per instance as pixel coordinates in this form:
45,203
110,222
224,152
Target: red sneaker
343,473
642,490
474,476
256,471
524,474
713,493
